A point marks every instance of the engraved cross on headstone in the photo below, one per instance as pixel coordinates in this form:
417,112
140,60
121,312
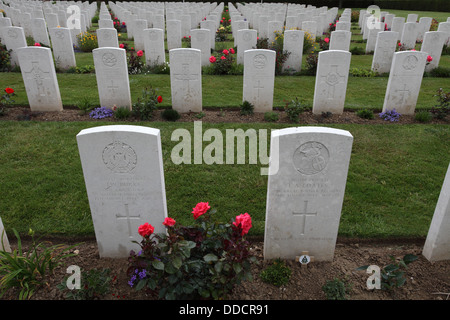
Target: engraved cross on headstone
185,75
257,87
404,93
112,88
303,215
38,75
332,79
128,217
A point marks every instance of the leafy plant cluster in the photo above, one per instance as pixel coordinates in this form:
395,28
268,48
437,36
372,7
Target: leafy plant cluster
336,289
294,108
442,108
203,260
5,56
278,273
390,115
94,285
28,271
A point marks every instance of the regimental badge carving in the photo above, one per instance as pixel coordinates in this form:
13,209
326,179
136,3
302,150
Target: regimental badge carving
410,62
247,36
259,61
109,59
119,157
12,34
311,158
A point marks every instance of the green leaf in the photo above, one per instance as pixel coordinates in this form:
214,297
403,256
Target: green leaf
141,284
410,258
237,267
362,268
218,266
158,265
177,262
210,257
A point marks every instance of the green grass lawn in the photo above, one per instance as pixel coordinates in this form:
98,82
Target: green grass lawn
395,176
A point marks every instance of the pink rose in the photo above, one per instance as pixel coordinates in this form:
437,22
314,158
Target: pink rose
243,221
140,53
222,58
231,50
146,229
326,40
429,58
212,59
169,222
37,44
121,45
225,52
200,209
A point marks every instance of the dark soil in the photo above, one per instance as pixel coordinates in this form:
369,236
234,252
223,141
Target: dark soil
424,280
213,115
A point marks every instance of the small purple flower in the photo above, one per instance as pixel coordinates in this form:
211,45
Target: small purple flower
101,112
390,115
132,280
142,274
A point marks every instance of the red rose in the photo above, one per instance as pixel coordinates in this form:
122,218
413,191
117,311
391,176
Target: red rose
326,40
123,23
429,59
9,90
146,229
121,45
37,44
225,52
140,53
159,99
200,209
169,222
212,59
244,221
222,57
231,50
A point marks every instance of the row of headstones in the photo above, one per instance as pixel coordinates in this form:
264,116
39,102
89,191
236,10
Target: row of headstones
124,176
39,76
36,17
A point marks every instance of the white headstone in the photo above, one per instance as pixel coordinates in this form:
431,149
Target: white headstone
404,81
138,32
13,38
62,48
105,24
372,39
331,81
39,77
433,43
123,171
409,35
293,43
201,39
340,40
154,46
4,243
397,26
445,27
259,79
40,33
111,71
384,51
305,191
310,27
343,25
107,37
186,79
424,26
173,34
437,244
210,25
246,40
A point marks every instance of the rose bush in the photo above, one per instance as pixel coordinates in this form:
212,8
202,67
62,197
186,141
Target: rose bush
204,260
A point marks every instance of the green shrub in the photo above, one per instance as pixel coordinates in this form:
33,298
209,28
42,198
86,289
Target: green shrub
365,114
87,41
85,105
357,51
294,108
122,113
439,72
277,273
336,289
145,106
95,284
5,63
442,109
28,270
271,116
246,108
367,73
170,115
423,116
